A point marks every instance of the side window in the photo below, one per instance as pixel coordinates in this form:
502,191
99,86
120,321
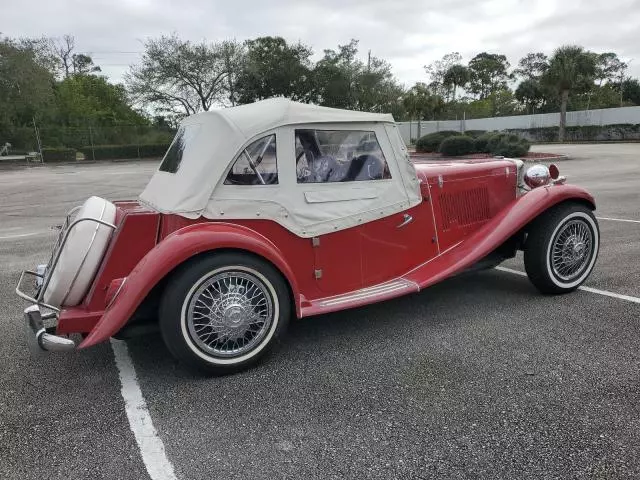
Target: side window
172,159
326,156
255,165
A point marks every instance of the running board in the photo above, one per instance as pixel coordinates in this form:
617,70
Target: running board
357,298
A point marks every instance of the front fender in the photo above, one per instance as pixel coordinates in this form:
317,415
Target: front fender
173,251
494,233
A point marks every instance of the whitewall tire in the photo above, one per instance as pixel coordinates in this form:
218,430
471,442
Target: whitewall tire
223,312
562,248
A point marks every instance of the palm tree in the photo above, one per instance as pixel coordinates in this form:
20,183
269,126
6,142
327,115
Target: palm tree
456,76
570,68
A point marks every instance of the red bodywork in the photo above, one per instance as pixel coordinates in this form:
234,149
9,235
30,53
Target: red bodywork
468,210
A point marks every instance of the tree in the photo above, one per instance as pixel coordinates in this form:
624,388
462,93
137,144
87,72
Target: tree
343,81
631,91
179,76
456,76
85,100
437,70
274,68
26,87
489,73
83,64
64,50
571,68
234,56
421,104
335,77
609,68
530,93
532,66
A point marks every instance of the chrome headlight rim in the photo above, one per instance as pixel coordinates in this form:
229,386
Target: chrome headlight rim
537,176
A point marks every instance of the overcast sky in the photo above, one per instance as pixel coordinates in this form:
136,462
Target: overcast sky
407,33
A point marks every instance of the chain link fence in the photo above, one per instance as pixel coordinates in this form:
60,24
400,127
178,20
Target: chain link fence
83,138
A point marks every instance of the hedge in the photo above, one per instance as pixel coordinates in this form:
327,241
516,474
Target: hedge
457,145
481,144
58,155
475,133
508,145
431,142
114,152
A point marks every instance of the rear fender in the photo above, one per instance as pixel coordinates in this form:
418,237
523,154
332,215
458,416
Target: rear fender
170,253
512,219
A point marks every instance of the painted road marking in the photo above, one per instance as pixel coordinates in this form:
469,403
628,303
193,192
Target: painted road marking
151,447
606,293
23,235
618,219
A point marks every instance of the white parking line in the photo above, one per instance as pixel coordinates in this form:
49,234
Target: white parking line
23,235
618,219
151,447
606,293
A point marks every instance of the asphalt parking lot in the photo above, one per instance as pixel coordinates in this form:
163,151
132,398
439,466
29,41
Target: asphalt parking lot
477,377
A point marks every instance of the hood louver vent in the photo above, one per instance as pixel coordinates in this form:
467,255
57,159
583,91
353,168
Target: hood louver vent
464,207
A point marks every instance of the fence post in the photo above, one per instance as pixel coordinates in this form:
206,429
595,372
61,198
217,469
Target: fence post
35,127
93,152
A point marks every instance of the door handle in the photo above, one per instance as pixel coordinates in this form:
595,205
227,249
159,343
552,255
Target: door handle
407,220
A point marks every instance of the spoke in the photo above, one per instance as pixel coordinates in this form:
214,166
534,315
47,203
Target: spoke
230,313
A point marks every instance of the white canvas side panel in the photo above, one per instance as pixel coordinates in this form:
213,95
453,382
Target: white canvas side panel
311,209
205,157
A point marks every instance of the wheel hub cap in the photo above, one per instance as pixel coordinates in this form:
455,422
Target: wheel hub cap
571,250
229,314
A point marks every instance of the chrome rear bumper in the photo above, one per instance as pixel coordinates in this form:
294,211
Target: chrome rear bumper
37,335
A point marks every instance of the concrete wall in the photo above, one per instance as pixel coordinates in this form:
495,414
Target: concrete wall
605,116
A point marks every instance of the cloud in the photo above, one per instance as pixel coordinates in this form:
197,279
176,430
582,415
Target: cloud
407,33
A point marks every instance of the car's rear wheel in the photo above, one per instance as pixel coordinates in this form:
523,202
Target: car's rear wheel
561,248
223,312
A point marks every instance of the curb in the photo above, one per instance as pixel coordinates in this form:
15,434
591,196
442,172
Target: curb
556,158
15,166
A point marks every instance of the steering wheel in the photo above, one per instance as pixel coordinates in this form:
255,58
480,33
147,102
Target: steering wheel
305,172
373,168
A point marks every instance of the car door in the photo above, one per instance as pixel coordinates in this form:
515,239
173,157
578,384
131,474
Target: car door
394,245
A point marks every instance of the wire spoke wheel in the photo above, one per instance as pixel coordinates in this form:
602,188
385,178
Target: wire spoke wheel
571,250
229,314
561,248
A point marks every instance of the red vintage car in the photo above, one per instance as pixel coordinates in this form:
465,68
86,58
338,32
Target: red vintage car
277,209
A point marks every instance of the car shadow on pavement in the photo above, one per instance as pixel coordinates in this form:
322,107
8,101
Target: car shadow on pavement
343,333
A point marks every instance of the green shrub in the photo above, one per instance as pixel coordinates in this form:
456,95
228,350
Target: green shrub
508,145
58,155
116,152
457,145
481,144
475,133
431,142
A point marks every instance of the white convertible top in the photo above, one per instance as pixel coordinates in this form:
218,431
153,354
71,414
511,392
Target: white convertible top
212,140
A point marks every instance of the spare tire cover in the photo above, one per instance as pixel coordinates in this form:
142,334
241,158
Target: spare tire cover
81,254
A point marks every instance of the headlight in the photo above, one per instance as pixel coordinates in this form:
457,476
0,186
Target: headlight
537,176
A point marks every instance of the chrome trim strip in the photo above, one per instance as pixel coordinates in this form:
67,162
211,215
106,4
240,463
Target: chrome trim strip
361,296
394,285
433,215
115,295
432,259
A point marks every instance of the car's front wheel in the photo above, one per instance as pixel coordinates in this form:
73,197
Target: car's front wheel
221,313
561,248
